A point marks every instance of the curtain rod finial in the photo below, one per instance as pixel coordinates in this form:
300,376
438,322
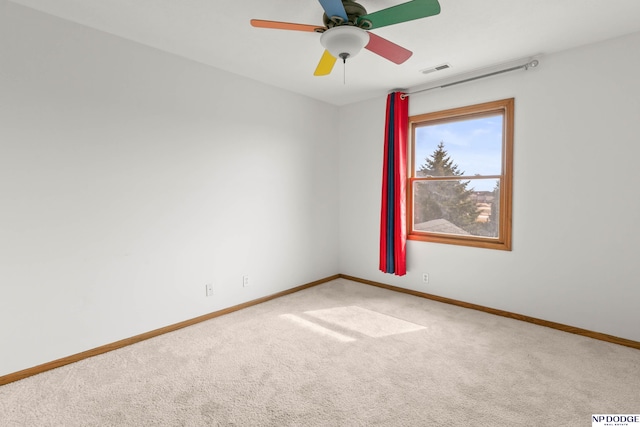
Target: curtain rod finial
532,64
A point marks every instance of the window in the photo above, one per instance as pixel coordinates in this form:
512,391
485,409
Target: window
460,176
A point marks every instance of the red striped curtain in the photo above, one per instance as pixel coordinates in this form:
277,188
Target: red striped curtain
393,227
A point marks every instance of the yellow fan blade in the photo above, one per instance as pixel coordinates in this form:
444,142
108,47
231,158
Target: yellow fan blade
325,65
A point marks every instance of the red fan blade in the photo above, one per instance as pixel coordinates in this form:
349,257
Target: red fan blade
387,49
284,25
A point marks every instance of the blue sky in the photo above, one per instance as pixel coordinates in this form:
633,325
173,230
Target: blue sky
474,145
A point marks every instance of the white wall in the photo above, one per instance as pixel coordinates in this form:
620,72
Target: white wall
576,226
129,178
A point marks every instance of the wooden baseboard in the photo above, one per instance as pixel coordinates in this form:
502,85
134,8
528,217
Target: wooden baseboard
559,326
6,379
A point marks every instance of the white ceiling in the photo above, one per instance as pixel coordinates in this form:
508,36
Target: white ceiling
468,34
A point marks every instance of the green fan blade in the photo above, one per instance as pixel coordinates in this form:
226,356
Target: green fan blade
408,11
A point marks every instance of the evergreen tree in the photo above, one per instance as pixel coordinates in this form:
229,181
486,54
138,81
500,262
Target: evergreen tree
448,200
492,224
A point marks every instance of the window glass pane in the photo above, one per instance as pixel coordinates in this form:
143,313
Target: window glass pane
460,207
473,145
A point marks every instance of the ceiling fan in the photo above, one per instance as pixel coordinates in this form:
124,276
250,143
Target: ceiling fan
345,31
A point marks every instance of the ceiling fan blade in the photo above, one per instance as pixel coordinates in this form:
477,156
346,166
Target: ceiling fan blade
334,8
325,65
386,49
284,25
414,9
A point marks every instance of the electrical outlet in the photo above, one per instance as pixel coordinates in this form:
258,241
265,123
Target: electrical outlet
209,289
425,277
245,280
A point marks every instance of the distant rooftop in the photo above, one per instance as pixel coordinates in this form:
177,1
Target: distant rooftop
440,226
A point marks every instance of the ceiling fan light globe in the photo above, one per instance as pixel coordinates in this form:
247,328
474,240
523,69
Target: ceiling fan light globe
344,40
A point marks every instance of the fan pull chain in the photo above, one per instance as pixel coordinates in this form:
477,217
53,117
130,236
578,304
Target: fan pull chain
344,57
344,72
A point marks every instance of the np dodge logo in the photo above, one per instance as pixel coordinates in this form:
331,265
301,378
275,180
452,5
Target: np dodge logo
614,420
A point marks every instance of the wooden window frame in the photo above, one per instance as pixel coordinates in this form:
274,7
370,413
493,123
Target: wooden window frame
503,107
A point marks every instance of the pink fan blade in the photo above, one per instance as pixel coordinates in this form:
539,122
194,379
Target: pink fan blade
387,49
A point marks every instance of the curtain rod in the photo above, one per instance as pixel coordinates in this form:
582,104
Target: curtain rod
526,66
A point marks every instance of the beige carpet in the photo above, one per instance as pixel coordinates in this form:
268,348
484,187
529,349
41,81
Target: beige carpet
339,354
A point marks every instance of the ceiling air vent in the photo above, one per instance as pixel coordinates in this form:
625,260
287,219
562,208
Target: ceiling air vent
436,68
